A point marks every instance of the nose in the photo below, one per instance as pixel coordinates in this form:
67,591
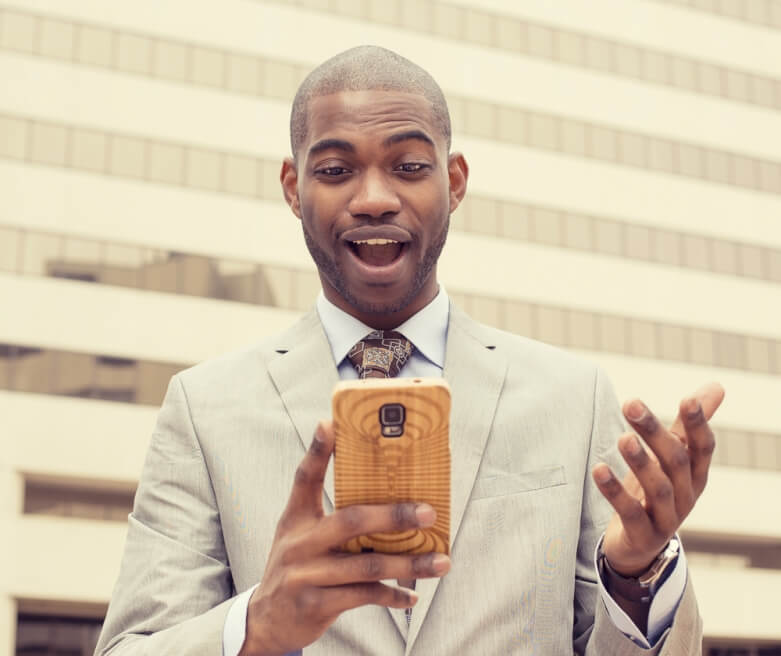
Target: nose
374,196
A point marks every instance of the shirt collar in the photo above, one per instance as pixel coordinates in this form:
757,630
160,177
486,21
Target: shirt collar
427,329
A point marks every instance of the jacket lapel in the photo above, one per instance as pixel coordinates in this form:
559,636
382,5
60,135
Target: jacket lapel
304,374
475,373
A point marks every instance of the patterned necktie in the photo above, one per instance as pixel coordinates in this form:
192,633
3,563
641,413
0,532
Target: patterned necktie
381,354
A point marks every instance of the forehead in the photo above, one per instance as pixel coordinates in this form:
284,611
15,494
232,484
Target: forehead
359,115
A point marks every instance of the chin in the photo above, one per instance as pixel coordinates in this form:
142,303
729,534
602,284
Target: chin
375,305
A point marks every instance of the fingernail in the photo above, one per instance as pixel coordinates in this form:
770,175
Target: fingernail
413,597
603,475
636,411
693,408
440,564
425,514
633,446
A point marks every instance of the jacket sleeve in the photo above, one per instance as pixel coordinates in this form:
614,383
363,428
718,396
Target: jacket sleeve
174,587
594,633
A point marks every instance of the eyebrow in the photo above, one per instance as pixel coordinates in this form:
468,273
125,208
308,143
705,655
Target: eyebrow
346,146
331,144
409,134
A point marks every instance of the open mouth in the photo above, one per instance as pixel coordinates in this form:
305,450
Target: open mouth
377,252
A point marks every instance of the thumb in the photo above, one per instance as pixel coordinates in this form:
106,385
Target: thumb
307,492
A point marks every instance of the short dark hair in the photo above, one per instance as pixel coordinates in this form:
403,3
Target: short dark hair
361,69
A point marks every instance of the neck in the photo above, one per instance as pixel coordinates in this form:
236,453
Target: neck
384,320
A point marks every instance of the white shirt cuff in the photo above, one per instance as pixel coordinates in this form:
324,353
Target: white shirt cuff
235,629
663,605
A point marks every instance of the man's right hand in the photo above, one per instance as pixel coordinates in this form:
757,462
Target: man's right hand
308,582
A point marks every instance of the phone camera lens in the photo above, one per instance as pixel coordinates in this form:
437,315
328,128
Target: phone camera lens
392,414
392,419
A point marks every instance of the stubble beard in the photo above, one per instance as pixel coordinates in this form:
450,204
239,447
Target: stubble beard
330,270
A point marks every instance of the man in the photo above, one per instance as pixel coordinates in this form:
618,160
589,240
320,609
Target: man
230,501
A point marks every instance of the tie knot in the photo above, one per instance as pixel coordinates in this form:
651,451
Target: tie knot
381,354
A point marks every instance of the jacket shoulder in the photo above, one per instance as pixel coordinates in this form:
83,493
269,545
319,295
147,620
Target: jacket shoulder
526,354
247,364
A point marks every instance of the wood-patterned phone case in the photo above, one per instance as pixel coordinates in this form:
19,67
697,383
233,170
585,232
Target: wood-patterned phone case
370,468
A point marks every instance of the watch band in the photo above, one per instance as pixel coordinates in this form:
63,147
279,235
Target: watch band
640,589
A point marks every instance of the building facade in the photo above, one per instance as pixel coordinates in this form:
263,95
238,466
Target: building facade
624,203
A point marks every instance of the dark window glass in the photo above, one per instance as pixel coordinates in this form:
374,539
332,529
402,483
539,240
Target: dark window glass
56,636
61,499
65,373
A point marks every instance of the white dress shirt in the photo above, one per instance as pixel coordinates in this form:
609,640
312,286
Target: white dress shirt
427,330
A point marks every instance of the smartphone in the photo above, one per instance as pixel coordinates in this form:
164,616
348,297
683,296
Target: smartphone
393,445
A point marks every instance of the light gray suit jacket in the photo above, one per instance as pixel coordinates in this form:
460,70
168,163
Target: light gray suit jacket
528,423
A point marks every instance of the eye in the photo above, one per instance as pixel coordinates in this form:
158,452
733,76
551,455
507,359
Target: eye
411,167
332,171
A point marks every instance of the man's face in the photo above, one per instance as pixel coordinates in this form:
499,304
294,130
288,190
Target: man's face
374,188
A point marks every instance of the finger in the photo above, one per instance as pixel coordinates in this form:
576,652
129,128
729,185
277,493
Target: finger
634,517
344,597
701,442
671,454
370,567
657,488
307,492
353,521
710,397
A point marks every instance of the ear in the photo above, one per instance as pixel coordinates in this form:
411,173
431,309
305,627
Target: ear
288,176
458,174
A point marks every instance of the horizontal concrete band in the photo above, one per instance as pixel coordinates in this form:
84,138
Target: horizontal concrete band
554,226
737,604
652,199
43,572
757,12
108,324
679,137
128,323
106,441
662,386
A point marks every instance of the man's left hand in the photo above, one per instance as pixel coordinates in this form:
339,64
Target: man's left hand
665,480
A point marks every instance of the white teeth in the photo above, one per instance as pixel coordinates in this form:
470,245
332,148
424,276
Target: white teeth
376,242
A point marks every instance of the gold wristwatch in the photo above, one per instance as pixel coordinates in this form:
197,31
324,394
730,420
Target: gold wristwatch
640,589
